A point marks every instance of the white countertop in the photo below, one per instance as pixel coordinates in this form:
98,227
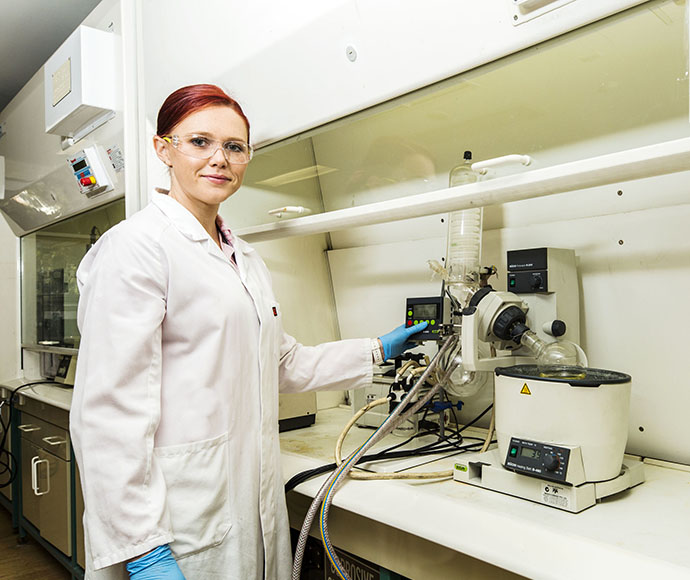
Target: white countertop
641,533
50,394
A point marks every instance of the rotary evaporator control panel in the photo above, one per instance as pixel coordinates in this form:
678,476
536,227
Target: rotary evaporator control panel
538,459
429,310
528,271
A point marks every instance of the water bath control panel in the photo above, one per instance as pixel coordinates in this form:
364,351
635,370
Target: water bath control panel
542,460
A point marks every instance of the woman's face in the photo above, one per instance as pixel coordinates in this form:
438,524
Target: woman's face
205,182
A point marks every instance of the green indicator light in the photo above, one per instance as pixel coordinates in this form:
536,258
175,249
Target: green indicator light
409,312
416,321
433,322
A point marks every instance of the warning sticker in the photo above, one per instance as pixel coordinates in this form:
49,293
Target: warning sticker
356,568
525,390
116,158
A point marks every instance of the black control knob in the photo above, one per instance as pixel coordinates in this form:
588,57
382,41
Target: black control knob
551,462
536,282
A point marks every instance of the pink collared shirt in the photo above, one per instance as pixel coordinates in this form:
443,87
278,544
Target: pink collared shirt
226,238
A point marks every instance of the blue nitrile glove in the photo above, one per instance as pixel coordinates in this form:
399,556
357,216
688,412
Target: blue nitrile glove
395,342
158,564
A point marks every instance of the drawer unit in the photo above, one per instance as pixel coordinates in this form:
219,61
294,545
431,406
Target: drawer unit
45,460
43,434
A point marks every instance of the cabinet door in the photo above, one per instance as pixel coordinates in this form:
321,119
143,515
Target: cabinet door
55,505
30,501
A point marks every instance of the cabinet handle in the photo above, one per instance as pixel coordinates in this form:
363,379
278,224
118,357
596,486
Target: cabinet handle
34,475
28,428
54,440
34,478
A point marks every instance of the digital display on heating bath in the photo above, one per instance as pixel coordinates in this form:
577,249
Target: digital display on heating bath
529,452
543,460
424,311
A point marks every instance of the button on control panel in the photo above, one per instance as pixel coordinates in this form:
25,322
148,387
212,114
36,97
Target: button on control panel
538,459
429,310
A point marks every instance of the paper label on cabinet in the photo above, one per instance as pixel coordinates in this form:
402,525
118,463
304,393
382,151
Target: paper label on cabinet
62,81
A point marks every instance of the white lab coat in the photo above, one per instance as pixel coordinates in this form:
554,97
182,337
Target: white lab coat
174,418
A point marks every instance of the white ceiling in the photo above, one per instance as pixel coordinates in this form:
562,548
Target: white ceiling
31,31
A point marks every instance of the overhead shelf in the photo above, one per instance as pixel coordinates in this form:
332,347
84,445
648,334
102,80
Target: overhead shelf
649,161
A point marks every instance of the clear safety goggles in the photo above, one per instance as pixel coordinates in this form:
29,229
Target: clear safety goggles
203,147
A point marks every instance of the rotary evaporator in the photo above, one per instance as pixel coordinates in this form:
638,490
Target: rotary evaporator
561,427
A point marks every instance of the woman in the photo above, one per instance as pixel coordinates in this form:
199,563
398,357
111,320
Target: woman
175,412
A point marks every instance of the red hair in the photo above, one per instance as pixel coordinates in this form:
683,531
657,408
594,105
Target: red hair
187,100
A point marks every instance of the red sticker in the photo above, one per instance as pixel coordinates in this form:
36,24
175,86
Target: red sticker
275,311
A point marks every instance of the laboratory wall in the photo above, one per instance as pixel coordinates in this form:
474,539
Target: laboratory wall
35,161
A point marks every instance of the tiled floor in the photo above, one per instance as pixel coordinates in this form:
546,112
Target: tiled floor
27,561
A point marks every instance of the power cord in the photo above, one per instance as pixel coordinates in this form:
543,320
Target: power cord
444,444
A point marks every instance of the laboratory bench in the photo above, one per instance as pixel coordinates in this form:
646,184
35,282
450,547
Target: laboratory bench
446,529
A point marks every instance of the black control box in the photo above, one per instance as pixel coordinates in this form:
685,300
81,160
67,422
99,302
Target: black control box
528,271
427,309
542,460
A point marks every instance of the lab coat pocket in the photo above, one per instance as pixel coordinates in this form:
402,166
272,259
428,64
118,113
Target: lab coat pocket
196,477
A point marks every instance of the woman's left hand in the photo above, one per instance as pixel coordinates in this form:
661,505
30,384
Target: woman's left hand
396,341
158,564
